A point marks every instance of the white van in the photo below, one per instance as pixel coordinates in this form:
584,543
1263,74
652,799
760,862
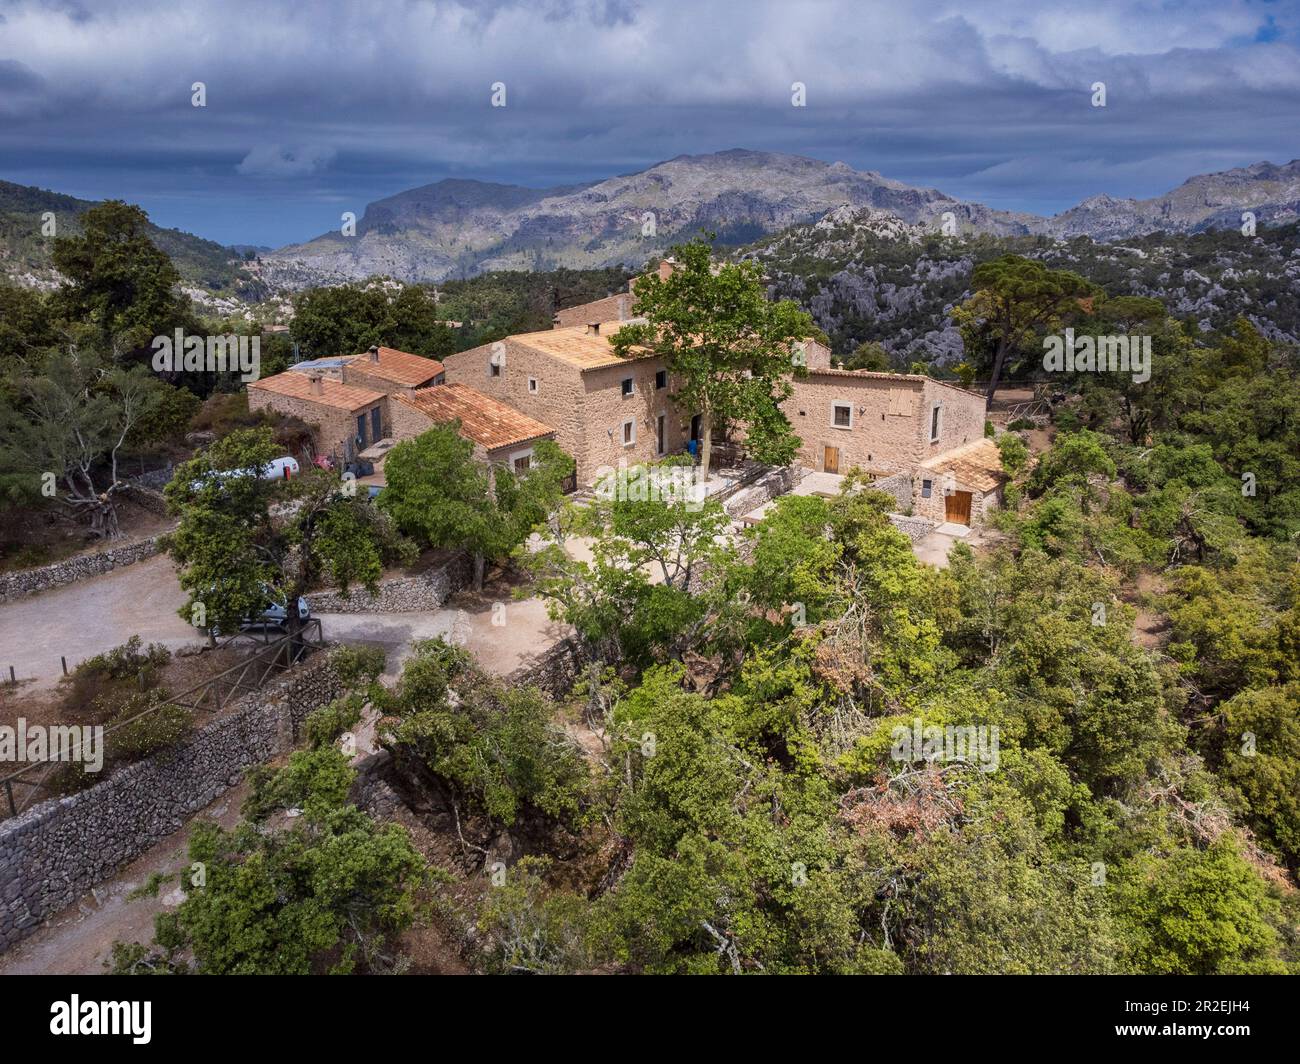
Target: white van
277,469
281,469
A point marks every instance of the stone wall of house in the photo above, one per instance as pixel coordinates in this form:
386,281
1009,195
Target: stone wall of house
332,424
981,506
55,852
884,410
960,421
606,409
408,594
587,410
32,581
617,307
556,402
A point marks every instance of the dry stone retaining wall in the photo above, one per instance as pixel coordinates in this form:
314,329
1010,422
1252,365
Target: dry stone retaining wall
554,670
83,566
408,594
914,528
770,485
898,487
58,850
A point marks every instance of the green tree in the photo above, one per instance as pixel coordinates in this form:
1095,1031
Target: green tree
730,350
441,495
117,280
25,324
1197,912
657,565
347,319
1014,298
74,411
496,747
1259,755
334,888
869,355
241,536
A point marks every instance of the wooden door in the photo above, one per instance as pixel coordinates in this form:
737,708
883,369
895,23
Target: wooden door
957,507
831,460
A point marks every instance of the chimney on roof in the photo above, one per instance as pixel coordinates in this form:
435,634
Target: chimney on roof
317,386
593,328
622,308
374,354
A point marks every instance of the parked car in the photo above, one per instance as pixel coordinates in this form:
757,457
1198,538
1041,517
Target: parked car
275,615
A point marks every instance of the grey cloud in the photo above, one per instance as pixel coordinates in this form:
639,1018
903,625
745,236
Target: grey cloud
338,102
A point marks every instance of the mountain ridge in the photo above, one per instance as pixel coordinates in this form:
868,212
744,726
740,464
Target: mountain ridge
459,227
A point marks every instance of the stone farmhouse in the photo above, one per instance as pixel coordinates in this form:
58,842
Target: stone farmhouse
567,384
604,409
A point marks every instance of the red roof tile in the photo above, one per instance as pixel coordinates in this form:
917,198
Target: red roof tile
332,393
400,367
482,418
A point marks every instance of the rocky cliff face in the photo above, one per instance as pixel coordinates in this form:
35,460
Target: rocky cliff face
1208,201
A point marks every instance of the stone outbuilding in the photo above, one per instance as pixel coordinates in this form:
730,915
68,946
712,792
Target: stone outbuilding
501,435
960,486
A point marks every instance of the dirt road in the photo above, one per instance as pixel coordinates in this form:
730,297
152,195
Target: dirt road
86,618
522,630
95,615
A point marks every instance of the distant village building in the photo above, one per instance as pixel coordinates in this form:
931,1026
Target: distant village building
346,398
961,486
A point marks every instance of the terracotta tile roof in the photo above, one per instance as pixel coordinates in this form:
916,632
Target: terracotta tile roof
977,464
575,345
400,367
333,393
868,374
914,378
482,418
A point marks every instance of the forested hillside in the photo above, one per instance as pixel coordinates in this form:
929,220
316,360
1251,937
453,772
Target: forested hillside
25,252
866,277
733,786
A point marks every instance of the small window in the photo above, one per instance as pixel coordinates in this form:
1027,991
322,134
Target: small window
936,422
522,463
927,488
661,380
494,370
627,386
842,415
532,384
629,433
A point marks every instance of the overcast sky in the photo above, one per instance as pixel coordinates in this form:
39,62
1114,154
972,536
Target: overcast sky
316,108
